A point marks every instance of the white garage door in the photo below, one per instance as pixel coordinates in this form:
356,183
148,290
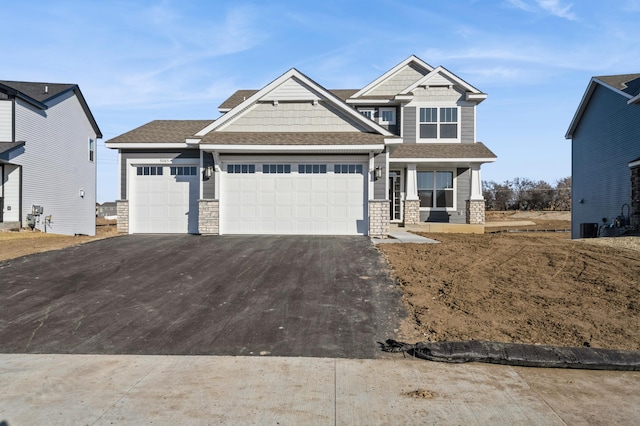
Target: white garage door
164,199
311,198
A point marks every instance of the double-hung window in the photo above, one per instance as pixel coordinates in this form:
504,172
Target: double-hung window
92,149
439,123
435,189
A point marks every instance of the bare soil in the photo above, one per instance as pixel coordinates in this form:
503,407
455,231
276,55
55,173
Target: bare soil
540,288
15,244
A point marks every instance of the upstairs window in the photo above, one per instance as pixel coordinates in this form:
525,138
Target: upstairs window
370,113
388,116
439,123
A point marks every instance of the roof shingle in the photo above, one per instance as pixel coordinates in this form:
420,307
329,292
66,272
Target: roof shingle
443,150
162,131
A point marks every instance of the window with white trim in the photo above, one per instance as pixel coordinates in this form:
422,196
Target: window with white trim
149,170
438,123
347,168
183,171
388,116
276,168
312,168
435,189
241,168
370,113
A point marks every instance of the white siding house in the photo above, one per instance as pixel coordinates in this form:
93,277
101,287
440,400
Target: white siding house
47,158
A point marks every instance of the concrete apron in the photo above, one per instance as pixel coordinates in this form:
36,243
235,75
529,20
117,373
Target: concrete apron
131,389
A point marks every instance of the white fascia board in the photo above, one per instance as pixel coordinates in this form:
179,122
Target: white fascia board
404,98
634,164
277,82
370,101
443,71
116,145
269,149
391,72
476,97
581,107
393,141
442,160
193,141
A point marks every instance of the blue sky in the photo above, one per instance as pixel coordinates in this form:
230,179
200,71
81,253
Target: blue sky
146,60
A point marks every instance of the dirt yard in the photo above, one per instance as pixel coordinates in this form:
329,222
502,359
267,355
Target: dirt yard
521,287
22,243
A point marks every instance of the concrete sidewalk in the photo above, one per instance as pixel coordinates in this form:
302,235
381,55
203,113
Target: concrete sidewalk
130,389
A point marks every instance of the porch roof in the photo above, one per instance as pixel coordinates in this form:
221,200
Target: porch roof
473,152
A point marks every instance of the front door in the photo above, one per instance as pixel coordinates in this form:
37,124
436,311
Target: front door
395,194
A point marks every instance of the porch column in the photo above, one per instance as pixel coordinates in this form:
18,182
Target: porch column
412,201
475,203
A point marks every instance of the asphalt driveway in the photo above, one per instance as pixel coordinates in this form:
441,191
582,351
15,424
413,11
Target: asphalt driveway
227,295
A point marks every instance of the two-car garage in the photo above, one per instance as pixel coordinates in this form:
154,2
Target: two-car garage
311,195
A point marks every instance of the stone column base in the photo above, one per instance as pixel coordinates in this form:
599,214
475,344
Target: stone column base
209,217
379,218
475,212
122,211
411,212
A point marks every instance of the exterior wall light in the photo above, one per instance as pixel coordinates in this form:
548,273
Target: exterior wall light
378,172
208,172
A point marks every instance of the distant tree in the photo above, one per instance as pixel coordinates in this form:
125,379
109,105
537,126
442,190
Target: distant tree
526,194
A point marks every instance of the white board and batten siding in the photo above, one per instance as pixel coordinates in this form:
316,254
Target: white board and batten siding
11,193
6,121
56,165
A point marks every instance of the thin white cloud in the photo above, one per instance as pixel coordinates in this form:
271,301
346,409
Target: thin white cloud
556,9
552,7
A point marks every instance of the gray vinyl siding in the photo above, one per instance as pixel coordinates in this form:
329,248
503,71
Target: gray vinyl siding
409,125
6,121
208,184
467,125
604,142
55,164
463,193
379,185
141,154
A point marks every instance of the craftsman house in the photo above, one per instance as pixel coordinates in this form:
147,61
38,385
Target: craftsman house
47,158
297,158
605,157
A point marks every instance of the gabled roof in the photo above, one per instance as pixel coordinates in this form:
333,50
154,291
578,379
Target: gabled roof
437,75
39,94
315,91
413,59
626,85
161,131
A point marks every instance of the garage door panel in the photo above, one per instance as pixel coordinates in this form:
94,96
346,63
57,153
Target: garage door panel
293,203
164,203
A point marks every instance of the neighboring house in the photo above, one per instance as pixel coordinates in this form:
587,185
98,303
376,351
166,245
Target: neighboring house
296,158
107,209
47,158
605,155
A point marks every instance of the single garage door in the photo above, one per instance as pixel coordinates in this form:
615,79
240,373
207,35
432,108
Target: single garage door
164,199
310,198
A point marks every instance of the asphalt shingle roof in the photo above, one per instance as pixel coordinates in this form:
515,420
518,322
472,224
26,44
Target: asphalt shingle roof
36,91
162,131
443,150
8,146
293,138
628,83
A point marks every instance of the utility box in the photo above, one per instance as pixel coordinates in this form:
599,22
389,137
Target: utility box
588,230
